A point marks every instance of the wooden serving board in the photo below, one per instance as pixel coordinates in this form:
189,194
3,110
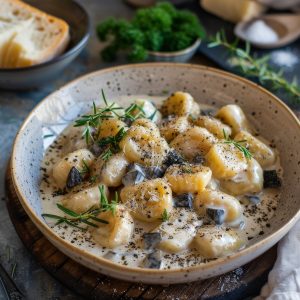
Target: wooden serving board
241,283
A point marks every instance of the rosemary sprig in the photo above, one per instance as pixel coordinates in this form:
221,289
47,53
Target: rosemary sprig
93,120
238,145
251,66
85,169
112,143
75,219
128,114
104,204
165,216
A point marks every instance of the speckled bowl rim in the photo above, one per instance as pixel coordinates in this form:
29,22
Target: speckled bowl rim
49,233
80,44
189,49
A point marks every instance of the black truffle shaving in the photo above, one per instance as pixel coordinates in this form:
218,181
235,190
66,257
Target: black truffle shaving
198,159
271,179
151,239
74,178
154,172
153,260
216,214
135,175
173,158
253,199
184,200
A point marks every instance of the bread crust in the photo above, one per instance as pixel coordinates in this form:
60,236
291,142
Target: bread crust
60,36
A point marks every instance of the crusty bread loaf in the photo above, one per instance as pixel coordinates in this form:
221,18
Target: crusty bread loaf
233,10
29,36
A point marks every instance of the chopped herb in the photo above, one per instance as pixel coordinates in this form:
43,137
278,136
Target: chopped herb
238,145
76,218
48,135
104,204
165,216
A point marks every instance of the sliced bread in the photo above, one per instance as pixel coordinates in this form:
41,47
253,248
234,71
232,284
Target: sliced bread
29,36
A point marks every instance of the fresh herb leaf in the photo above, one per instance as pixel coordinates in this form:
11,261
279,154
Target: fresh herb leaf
86,169
251,66
105,205
133,112
75,219
165,216
92,121
112,143
238,145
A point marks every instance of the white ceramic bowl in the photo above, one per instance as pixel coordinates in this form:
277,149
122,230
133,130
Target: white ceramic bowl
268,114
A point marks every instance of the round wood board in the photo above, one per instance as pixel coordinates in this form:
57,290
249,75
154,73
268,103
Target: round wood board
241,283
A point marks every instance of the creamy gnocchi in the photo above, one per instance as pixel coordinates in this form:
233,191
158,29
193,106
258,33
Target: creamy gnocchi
160,187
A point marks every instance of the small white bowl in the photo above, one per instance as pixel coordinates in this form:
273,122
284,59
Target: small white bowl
268,114
180,56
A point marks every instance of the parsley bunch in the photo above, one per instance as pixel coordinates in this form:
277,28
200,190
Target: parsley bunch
158,28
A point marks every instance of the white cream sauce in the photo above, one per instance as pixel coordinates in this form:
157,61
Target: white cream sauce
255,217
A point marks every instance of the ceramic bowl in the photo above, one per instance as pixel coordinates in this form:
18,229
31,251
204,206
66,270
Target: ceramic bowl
174,56
37,75
272,118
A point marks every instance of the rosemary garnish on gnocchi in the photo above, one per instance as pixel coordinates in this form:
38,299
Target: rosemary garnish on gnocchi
238,145
76,218
165,186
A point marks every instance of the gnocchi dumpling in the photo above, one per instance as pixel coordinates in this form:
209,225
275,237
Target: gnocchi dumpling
84,200
171,127
141,146
193,142
188,178
110,127
110,172
225,160
214,242
248,181
78,159
233,116
180,104
147,124
213,125
176,235
260,151
148,200
217,199
119,229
